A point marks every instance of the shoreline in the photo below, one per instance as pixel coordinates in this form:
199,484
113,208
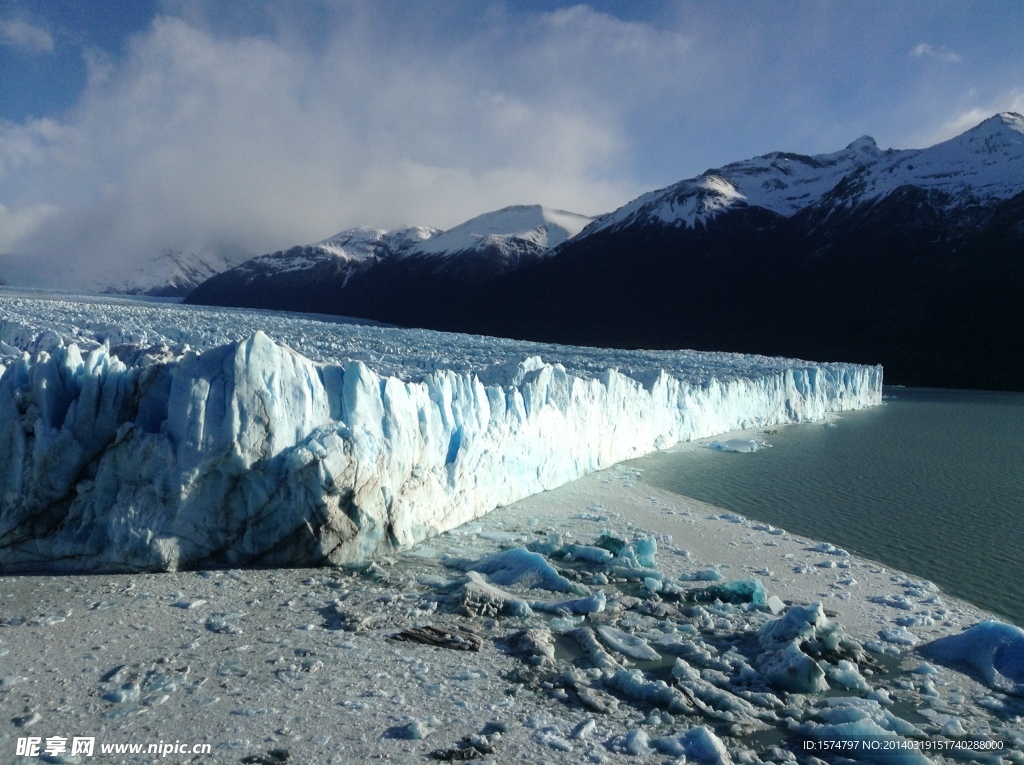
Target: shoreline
297,663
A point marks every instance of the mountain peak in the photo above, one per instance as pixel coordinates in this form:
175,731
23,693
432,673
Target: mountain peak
543,226
862,143
1009,125
1010,119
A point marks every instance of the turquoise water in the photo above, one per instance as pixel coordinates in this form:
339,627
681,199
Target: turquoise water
931,483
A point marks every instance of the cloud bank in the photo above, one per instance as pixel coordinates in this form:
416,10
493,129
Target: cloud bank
196,139
253,126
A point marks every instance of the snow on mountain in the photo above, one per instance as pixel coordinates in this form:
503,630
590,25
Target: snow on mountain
511,233
369,243
360,247
160,437
172,272
535,225
364,271
985,163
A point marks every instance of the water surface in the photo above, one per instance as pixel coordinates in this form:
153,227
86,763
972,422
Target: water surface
931,483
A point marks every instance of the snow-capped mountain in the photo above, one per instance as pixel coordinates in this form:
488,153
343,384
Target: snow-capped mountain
907,257
910,258
346,253
983,165
520,228
359,268
171,273
374,243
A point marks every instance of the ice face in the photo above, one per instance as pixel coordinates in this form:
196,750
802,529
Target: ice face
156,456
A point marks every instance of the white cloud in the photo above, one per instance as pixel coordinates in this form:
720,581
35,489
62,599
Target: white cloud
195,138
967,118
941,53
16,33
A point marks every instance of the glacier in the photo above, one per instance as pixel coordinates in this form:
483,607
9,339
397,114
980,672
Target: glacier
160,437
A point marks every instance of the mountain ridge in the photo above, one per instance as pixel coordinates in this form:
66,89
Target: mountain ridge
765,255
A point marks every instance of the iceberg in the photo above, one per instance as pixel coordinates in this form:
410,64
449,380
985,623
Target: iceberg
165,438
992,652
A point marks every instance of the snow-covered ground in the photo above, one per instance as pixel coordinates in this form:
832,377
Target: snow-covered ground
303,665
138,436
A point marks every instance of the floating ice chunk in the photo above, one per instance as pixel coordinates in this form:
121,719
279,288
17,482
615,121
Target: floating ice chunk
893,601
713,574
632,683
731,517
714,701
554,737
739,445
698,744
800,623
695,652
792,670
626,644
592,604
584,730
829,549
588,553
991,651
953,728
610,543
881,696
482,598
505,537
552,544
635,743
536,646
416,730
864,720
593,650
640,552
738,591
434,581
518,566
846,675
898,636
564,623
794,642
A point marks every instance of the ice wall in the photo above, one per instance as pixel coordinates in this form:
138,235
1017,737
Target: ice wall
252,454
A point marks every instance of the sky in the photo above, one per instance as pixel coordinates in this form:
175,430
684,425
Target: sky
130,127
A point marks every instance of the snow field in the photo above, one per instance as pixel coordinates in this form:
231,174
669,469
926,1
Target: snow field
264,663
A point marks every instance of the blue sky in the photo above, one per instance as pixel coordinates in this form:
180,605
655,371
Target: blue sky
127,127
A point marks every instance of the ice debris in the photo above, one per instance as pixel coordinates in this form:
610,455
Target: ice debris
794,644
739,445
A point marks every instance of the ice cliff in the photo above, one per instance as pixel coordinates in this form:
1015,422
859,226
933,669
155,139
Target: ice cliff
161,456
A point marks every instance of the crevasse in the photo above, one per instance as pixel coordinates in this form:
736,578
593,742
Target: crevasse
252,454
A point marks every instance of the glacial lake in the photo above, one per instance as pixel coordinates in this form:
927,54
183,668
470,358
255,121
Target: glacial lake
931,483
